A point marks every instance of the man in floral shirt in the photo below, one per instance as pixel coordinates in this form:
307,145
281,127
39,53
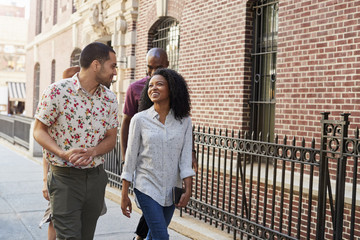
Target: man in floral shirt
76,123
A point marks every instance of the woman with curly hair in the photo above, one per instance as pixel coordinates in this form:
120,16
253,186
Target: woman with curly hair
159,151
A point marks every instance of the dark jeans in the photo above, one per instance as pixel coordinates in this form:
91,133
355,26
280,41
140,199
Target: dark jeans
157,217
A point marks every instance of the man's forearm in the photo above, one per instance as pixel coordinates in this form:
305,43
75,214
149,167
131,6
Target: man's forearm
42,136
107,144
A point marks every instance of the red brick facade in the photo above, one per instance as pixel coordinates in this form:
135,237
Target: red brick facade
212,57
317,70
317,62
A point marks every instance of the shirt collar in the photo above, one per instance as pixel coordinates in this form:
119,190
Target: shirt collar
78,87
76,82
154,114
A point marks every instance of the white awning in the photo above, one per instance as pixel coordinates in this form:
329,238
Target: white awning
16,91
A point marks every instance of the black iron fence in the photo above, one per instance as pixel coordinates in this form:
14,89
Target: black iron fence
281,189
113,164
255,189
274,190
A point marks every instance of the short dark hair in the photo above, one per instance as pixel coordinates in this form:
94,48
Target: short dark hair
179,94
94,51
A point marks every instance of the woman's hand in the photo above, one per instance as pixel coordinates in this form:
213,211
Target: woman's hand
184,199
126,207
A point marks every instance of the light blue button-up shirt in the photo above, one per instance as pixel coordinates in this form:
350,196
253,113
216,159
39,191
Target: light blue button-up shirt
160,154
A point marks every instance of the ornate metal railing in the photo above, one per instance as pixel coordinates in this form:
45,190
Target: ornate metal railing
273,190
113,164
242,183
263,190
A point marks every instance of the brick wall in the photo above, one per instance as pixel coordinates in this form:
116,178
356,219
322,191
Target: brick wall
147,11
318,64
213,59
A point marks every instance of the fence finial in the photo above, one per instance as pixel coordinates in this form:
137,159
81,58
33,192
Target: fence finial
325,115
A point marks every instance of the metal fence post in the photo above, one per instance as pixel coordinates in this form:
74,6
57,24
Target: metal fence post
321,210
340,180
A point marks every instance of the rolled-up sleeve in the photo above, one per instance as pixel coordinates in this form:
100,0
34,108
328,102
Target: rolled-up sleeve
47,110
132,150
185,164
113,121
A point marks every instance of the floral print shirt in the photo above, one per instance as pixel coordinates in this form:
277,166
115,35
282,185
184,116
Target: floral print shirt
76,119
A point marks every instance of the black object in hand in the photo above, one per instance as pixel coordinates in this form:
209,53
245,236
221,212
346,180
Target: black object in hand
176,194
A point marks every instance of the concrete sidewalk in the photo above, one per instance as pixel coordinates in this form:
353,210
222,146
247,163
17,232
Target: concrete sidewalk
22,206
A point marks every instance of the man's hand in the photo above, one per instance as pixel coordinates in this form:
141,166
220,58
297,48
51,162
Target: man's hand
80,156
45,191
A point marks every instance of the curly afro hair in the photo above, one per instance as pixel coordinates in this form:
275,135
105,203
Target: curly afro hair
178,91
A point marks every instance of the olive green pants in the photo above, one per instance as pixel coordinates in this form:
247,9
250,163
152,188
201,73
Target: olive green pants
77,198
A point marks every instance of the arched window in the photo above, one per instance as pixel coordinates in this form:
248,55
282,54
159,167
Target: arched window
36,86
53,71
166,35
75,57
264,67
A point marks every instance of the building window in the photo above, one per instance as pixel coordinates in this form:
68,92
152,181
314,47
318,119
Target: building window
36,86
264,67
75,57
53,71
39,15
55,12
73,6
167,36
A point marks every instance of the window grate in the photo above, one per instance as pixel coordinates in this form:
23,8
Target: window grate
75,58
167,37
264,67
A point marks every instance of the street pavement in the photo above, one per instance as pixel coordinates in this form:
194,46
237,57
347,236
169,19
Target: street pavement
22,204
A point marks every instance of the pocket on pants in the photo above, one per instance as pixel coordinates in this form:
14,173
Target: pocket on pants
105,177
49,182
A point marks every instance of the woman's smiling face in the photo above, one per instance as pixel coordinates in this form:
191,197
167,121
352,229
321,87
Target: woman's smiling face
158,90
